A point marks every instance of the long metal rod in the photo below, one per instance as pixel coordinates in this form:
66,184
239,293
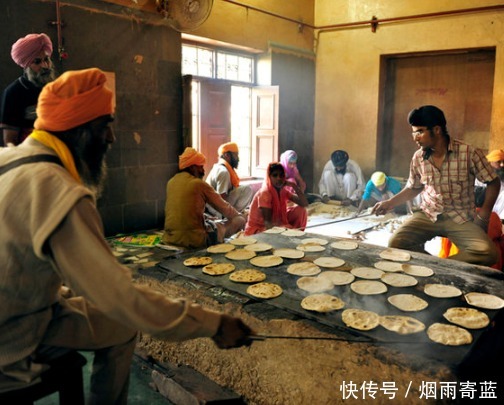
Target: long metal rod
369,341
372,22
339,220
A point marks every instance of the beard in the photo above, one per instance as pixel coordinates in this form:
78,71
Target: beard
234,163
89,152
340,171
42,77
500,173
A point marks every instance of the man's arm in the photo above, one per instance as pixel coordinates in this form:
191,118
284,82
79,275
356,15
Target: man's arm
402,197
100,279
491,194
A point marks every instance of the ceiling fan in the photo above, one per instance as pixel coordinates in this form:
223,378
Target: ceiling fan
184,15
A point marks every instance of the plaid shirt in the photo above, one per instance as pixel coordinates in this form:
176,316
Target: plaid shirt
450,190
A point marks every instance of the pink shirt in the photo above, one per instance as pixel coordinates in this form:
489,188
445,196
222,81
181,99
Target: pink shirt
263,199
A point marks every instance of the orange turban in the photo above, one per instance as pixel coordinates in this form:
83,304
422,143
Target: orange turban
496,155
227,147
191,157
29,47
73,99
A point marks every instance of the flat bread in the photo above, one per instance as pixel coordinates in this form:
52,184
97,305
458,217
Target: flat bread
259,247
419,271
399,280
337,277
266,261
345,245
314,284
322,303
197,261
264,290
408,302
404,325
396,255
243,241
368,273
317,241
310,247
368,287
329,262
469,318
218,269
247,276
483,300
303,269
293,232
221,248
240,254
391,267
288,253
360,319
449,335
275,229
442,291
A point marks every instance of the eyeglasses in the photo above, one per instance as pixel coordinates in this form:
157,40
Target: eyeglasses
39,61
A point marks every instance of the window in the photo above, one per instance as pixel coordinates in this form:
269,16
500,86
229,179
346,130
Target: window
217,64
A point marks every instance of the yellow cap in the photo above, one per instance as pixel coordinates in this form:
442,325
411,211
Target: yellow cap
378,178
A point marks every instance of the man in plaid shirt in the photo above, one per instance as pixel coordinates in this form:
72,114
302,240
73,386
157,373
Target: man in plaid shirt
443,172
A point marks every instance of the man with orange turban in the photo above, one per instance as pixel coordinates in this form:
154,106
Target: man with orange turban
224,179
52,233
496,159
186,197
19,99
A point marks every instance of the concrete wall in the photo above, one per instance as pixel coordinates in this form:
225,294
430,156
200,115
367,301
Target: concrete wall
146,62
348,65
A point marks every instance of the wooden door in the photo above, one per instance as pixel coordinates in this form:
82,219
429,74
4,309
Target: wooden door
460,84
215,122
264,128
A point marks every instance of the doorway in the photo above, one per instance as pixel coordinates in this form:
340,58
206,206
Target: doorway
460,83
222,111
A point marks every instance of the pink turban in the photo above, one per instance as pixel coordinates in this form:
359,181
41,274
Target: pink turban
73,99
227,147
496,155
191,157
26,49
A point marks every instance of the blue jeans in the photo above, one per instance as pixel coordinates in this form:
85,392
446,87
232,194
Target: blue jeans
473,243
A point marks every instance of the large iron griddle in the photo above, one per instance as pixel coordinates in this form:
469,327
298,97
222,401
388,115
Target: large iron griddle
468,278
